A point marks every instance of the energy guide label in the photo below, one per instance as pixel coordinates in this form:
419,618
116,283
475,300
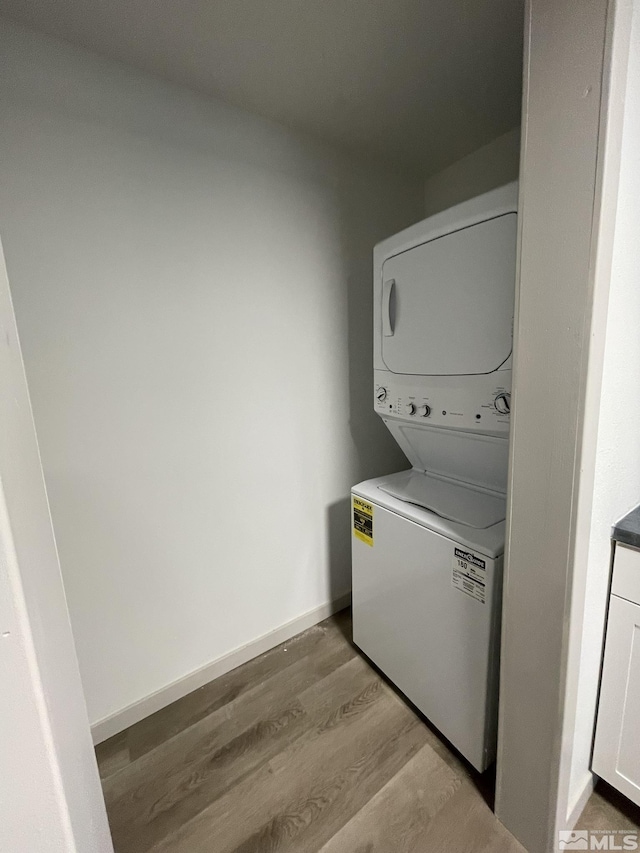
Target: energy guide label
469,574
363,520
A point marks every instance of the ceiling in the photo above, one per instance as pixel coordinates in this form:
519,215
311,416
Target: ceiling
419,83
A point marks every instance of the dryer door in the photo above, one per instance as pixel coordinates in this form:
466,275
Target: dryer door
447,305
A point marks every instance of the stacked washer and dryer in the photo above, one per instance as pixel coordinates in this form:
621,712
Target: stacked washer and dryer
428,543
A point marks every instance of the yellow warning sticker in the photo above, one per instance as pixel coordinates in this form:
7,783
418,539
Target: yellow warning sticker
363,520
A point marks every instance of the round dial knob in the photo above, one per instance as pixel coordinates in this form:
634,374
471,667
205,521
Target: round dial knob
503,403
424,411
410,409
381,395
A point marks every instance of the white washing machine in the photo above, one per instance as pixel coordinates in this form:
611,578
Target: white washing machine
428,542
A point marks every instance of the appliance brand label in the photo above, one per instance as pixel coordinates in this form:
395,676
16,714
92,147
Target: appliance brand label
363,520
468,574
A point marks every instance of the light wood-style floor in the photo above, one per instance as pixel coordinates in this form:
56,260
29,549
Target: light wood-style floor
305,748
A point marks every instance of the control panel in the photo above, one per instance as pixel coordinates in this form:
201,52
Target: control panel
477,404
502,403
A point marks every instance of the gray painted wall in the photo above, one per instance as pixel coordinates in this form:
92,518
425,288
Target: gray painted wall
491,166
193,290
560,202
611,449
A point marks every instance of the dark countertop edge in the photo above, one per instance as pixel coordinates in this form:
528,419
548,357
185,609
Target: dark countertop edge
627,530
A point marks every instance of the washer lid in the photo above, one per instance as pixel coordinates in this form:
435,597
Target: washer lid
489,541
447,305
466,457
457,502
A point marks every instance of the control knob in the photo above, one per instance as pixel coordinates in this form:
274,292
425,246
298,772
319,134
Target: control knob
410,409
381,394
502,403
424,411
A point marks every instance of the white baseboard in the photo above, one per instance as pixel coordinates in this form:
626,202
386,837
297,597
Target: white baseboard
120,720
580,801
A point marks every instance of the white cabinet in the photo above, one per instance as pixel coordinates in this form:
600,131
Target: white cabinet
616,756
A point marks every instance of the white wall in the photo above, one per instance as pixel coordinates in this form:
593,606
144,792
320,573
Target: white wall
495,164
565,105
616,483
192,286
50,796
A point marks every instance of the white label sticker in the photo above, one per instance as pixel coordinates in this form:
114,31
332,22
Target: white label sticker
469,574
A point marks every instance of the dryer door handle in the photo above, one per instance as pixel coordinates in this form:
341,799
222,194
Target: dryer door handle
388,291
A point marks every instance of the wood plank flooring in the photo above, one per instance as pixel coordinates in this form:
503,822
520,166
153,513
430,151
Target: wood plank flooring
303,749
